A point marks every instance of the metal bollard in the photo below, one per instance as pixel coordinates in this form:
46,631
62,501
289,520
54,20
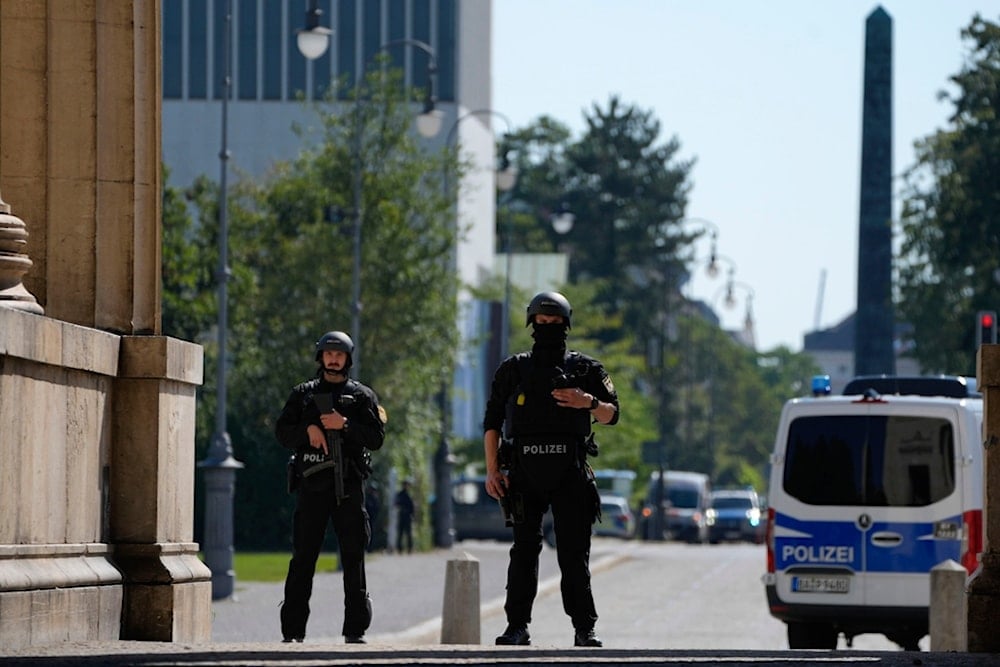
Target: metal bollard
460,622
948,607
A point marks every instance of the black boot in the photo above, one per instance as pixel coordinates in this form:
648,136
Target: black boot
587,638
514,636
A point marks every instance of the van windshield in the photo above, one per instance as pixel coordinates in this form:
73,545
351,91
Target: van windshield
683,497
870,460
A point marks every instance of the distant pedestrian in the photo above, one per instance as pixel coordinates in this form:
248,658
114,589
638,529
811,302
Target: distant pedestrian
404,518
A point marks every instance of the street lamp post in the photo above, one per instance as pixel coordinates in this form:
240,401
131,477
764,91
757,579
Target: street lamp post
443,459
313,42
729,301
219,465
505,179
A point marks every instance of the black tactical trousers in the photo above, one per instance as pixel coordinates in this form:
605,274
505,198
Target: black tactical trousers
572,513
314,510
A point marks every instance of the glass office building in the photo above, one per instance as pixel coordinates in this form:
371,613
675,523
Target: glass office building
271,78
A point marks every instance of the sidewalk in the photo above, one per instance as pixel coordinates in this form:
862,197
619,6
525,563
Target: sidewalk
408,592
407,596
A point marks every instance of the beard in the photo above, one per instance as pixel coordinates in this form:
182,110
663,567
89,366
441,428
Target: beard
336,373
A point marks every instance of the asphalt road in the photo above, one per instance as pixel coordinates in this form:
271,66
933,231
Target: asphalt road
660,604
648,595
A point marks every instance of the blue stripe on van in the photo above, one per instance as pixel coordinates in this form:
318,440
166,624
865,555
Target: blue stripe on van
816,544
838,544
919,550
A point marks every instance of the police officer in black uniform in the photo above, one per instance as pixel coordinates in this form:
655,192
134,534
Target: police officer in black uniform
319,415
544,403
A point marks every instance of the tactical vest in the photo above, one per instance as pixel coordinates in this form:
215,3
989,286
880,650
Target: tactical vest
531,410
315,468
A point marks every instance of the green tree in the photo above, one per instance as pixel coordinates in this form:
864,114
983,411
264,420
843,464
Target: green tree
950,230
714,403
627,192
291,255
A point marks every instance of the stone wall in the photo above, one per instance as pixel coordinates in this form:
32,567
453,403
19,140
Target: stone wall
97,486
97,409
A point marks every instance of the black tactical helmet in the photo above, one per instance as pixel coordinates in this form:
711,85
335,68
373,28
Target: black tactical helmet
335,340
549,303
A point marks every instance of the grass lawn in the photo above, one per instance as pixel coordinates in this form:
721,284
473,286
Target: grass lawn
269,567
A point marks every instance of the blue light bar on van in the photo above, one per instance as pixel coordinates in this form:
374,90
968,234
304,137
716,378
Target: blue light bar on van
949,386
821,385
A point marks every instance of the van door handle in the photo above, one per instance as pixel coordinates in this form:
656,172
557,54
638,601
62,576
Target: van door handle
884,538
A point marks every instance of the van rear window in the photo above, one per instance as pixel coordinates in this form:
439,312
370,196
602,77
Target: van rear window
870,460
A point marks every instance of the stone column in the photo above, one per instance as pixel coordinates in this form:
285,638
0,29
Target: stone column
80,84
80,155
168,589
14,262
983,587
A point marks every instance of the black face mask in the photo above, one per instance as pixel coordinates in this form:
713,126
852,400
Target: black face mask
550,343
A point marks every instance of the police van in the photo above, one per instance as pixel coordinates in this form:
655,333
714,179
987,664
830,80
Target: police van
869,491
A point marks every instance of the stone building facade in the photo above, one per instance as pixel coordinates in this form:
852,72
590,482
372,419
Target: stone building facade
97,407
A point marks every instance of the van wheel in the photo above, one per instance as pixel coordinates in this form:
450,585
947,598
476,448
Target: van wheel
812,636
906,641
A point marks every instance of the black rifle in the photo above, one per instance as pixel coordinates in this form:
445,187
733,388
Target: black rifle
334,444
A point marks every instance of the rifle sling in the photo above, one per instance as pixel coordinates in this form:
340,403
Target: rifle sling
312,470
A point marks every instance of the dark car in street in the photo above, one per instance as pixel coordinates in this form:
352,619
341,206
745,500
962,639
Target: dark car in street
676,507
477,516
735,515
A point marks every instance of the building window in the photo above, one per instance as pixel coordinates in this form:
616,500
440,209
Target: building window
267,63
246,45
197,45
274,31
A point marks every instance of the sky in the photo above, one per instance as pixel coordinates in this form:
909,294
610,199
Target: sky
766,97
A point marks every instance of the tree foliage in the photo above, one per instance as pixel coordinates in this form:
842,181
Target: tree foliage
950,229
711,401
291,258
681,379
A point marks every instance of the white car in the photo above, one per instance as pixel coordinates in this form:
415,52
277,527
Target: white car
617,519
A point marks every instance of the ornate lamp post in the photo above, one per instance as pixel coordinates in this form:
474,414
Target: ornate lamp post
505,179
220,466
729,301
313,42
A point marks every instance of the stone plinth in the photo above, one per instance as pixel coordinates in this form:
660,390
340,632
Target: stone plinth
97,486
152,491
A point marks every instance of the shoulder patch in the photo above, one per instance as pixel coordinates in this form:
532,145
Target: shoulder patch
608,384
382,415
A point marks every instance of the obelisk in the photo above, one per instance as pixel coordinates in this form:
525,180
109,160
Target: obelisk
873,333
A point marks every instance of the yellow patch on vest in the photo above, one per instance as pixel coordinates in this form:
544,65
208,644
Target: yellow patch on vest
382,415
520,399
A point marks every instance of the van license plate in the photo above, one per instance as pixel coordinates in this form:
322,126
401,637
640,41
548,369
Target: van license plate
821,584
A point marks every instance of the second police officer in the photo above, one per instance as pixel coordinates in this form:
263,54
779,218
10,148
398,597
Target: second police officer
544,402
328,412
